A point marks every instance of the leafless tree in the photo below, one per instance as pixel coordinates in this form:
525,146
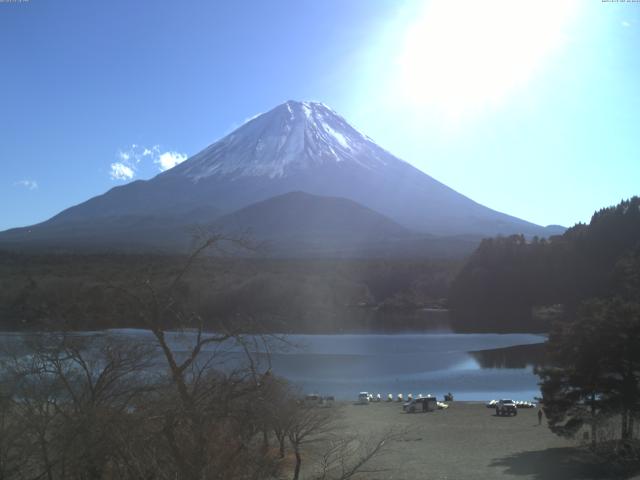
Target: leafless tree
345,457
314,431
70,394
308,424
281,401
208,413
10,432
184,404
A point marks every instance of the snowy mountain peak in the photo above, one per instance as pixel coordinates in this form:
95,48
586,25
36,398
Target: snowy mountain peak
292,137
296,147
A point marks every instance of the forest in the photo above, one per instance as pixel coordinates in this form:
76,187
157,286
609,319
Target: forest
583,289
518,284
509,284
89,292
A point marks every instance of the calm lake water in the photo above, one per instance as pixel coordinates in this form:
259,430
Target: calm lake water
471,366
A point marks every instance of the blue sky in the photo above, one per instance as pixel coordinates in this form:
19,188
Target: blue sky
531,108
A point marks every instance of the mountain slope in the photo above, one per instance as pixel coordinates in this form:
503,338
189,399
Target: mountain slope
298,224
301,215
296,147
292,225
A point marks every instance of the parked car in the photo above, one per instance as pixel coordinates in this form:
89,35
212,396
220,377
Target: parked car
326,401
363,398
505,407
422,404
312,397
315,399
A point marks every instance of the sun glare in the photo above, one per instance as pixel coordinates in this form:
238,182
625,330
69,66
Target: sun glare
464,56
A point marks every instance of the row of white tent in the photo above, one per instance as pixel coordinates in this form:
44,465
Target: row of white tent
377,397
518,403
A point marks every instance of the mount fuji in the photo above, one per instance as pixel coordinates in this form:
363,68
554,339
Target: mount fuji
248,176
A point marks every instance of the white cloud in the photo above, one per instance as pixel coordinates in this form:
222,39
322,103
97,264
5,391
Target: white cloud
150,151
28,184
129,160
626,24
168,160
120,171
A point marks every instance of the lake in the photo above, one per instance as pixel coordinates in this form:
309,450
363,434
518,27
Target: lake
471,366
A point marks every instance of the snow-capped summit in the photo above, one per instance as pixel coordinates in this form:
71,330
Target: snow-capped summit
299,147
293,137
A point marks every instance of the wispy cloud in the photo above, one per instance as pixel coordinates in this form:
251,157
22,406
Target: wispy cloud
169,160
129,160
28,184
626,24
120,171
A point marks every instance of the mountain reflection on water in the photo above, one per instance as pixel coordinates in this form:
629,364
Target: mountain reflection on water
518,356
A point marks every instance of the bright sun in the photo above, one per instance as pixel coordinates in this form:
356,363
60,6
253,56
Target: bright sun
462,56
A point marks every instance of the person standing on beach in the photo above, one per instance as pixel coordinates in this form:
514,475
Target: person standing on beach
539,415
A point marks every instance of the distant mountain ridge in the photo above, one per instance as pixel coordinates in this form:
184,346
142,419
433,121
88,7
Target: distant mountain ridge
299,224
303,214
296,147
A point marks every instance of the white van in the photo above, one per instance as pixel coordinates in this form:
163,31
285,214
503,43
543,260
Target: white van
363,398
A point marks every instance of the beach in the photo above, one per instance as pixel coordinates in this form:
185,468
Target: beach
468,441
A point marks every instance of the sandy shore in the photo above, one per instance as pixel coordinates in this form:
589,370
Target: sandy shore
467,441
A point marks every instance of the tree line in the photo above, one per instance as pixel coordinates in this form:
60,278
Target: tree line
83,292
518,284
589,279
